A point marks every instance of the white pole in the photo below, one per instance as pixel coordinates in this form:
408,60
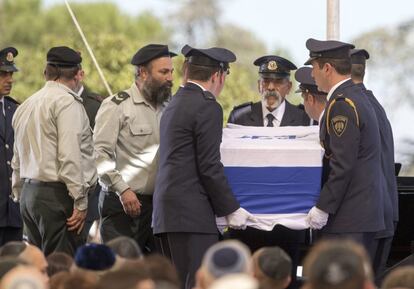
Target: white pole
88,48
332,23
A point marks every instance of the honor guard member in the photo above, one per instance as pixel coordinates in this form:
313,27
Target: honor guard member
91,103
274,85
314,100
350,201
10,219
191,188
53,163
273,110
127,138
388,180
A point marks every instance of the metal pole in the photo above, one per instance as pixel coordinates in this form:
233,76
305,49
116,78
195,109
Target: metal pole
332,23
88,48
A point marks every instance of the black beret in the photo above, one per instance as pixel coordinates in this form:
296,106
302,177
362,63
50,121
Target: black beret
307,84
212,57
150,52
94,257
272,66
63,56
358,56
7,56
327,49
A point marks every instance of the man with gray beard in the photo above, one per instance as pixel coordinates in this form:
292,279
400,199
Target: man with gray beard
272,111
274,85
126,144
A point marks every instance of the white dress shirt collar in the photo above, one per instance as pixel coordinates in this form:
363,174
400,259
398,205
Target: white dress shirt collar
331,91
277,113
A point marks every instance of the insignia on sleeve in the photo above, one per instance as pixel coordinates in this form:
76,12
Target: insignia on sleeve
120,97
339,123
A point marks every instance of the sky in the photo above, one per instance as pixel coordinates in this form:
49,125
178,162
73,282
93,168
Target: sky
289,23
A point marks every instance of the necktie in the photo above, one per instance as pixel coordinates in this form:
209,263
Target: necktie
270,117
2,120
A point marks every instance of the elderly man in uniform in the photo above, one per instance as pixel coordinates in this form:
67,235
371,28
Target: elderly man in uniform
10,219
388,180
53,164
126,143
191,188
350,202
272,111
274,85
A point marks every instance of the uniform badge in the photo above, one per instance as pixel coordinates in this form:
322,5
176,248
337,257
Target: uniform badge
272,65
120,97
339,123
9,57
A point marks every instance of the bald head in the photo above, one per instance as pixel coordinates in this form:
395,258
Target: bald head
32,255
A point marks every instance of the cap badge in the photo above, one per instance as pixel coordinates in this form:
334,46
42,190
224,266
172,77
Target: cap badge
272,65
9,57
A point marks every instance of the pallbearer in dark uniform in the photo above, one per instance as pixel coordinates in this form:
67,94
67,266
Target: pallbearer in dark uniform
350,202
274,85
388,180
191,188
10,219
91,102
314,100
273,110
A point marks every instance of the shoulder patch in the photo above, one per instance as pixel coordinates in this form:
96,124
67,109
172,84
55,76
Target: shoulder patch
208,95
339,123
120,97
249,103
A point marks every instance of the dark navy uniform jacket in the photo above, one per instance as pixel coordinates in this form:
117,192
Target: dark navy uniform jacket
251,114
191,188
389,182
91,102
350,135
9,210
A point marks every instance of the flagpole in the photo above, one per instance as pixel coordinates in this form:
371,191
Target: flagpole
75,21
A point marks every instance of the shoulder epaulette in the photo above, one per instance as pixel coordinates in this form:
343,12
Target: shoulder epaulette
12,99
243,105
346,100
208,95
76,97
120,97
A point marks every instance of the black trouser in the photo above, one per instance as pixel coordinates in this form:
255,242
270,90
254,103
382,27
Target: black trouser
382,251
93,211
45,207
186,251
287,239
115,222
366,239
8,234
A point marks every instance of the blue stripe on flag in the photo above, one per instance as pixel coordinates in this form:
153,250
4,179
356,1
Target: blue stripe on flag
275,190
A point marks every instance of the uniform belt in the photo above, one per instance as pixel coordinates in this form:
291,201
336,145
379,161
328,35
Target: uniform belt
44,184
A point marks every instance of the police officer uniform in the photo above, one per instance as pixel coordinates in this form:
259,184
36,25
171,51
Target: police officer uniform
349,133
126,144
272,67
53,163
307,85
388,179
254,114
191,188
10,219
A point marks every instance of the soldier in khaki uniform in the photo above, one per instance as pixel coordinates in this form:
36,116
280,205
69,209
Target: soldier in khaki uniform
126,144
53,163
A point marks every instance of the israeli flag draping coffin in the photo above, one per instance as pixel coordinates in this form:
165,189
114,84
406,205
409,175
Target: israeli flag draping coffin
275,173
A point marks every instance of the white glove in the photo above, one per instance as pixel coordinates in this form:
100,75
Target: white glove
317,218
238,219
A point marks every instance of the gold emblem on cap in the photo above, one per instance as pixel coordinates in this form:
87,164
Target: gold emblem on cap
272,65
9,56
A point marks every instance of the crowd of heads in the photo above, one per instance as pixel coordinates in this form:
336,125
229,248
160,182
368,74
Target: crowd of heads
228,264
